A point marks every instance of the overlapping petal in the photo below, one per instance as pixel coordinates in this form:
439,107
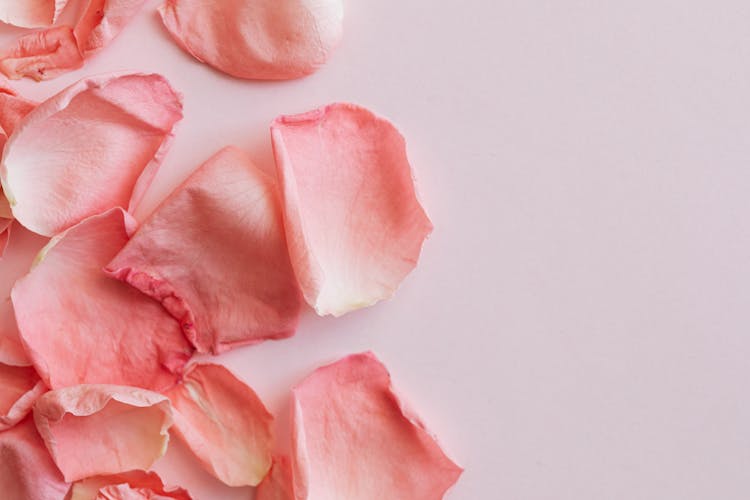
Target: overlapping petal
30,13
257,39
215,255
94,146
278,484
80,326
20,387
353,438
224,423
42,55
132,485
96,430
354,223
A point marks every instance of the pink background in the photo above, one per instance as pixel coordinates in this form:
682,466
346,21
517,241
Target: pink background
578,327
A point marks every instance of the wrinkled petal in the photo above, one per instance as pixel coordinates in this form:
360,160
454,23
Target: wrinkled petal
257,39
95,430
224,423
26,469
42,55
13,108
20,387
102,21
215,255
353,438
5,225
278,484
94,146
126,486
354,223
30,13
80,326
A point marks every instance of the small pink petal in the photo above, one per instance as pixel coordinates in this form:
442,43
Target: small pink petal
30,13
353,438
42,55
104,330
94,146
224,423
20,387
133,485
278,484
94,430
257,39
102,21
354,224
215,255
26,470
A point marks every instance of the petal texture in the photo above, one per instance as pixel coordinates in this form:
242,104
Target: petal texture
257,39
20,387
94,146
224,423
80,326
354,224
133,485
353,438
102,21
30,13
93,430
215,255
278,484
42,55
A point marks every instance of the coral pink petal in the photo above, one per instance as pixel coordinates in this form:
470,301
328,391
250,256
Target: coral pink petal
5,225
95,430
353,438
257,39
224,423
92,147
13,108
278,484
102,21
133,485
354,224
26,470
80,326
11,348
215,255
30,13
20,387
42,55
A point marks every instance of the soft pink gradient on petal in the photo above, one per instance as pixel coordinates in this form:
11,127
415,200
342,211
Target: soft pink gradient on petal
30,13
20,386
42,55
278,484
354,438
102,21
132,485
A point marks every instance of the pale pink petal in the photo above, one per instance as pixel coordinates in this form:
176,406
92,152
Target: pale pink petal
353,438
13,108
94,430
102,21
214,254
278,484
257,39
354,224
80,326
224,423
30,13
26,469
42,55
94,146
133,485
20,387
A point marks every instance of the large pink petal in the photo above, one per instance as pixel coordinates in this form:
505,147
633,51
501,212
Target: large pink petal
224,423
20,387
133,485
102,21
354,224
278,484
42,55
94,430
26,470
80,326
257,39
214,254
94,146
30,13
353,438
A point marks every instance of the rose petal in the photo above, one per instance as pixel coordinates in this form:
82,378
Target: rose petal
278,484
257,39
5,225
214,254
42,55
104,331
13,108
93,430
20,387
102,21
354,224
353,438
224,423
30,13
126,486
94,146
26,469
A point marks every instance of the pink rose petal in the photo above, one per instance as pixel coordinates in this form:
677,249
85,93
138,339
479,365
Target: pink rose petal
94,430
224,424
80,326
42,55
257,39
353,438
30,13
5,225
126,486
278,484
26,470
354,224
215,255
20,387
94,146
102,21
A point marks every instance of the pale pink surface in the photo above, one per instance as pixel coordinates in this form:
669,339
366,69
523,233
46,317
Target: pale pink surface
354,223
132,485
105,331
214,254
20,386
224,423
257,39
94,430
102,21
30,13
278,484
42,55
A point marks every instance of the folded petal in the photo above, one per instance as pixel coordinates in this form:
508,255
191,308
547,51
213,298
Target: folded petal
353,438
13,108
215,255
257,39
94,146
20,387
80,326
278,484
30,13
354,224
95,430
224,423
102,21
42,55
5,225
133,485
26,470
